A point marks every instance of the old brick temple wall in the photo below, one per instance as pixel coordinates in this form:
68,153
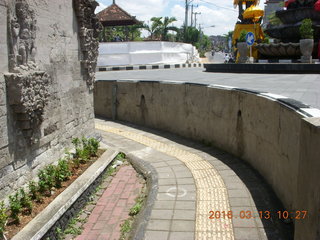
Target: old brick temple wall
47,59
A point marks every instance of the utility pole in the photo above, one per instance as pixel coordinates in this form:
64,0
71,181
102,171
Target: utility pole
192,15
195,18
186,14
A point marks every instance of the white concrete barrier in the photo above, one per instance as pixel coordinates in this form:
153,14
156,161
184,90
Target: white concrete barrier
137,53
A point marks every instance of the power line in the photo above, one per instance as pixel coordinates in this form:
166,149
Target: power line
230,9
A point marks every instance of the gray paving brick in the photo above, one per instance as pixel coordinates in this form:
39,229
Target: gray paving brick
163,204
182,236
164,170
161,214
167,181
183,174
188,187
174,162
165,196
240,202
182,226
165,175
159,225
159,235
184,214
160,164
185,181
185,205
246,233
238,193
243,223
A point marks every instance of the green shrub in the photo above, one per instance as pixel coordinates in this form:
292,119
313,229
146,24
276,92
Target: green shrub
15,207
306,31
62,173
84,149
46,179
25,201
3,218
33,191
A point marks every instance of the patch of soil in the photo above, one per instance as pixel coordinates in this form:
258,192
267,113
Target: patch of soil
12,229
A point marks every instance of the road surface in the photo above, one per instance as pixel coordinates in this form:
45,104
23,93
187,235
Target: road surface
301,87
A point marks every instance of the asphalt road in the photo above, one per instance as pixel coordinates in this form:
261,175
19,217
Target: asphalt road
301,87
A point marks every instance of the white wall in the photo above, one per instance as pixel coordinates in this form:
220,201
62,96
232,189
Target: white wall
135,53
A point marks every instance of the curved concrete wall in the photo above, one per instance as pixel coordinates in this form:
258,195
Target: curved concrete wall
135,53
276,135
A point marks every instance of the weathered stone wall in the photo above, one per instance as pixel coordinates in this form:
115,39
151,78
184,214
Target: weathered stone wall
272,136
65,109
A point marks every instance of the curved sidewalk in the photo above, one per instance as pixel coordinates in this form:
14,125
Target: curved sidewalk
192,181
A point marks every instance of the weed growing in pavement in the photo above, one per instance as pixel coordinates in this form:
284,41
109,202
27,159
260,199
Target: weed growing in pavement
72,228
120,156
125,228
137,207
3,218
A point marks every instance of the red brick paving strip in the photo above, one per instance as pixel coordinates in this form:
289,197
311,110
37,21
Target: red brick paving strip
113,207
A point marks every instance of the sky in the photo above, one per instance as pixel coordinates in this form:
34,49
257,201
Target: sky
217,16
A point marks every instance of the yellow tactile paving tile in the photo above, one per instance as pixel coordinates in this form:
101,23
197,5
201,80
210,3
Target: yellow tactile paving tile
211,190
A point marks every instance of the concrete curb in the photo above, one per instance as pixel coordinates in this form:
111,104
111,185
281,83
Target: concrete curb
44,221
148,67
150,173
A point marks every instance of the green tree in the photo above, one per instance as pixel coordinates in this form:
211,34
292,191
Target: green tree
165,28
159,29
154,27
124,33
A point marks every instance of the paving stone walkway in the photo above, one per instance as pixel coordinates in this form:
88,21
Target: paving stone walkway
112,208
194,180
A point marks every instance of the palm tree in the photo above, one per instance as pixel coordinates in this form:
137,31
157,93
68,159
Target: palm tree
154,28
160,29
165,28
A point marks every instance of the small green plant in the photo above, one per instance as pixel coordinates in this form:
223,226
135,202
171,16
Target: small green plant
25,201
306,31
62,173
72,228
125,228
120,156
15,207
84,149
33,191
3,218
46,179
135,209
242,37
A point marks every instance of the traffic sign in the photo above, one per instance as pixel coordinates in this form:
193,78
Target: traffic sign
250,38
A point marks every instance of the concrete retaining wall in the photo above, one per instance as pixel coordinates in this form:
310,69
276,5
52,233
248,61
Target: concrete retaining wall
266,130
136,53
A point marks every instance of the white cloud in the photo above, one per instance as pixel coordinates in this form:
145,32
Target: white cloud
142,9
219,13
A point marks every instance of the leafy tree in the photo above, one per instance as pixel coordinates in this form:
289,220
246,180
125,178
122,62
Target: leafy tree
159,29
122,33
154,27
165,28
